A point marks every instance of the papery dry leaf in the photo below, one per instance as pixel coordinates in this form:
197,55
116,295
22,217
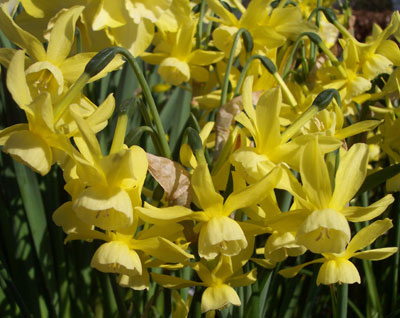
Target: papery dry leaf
225,117
172,177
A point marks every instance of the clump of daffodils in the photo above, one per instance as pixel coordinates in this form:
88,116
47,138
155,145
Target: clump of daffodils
269,118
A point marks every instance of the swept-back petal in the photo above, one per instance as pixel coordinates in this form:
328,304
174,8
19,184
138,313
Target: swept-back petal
376,254
62,35
315,176
204,189
16,80
20,37
252,194
360,214
350,175
267,120
367,235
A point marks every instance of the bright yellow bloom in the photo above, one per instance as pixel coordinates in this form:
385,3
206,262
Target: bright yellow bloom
337,268
218,233
219,282
263,124
52,70
178,61
113,183
323,215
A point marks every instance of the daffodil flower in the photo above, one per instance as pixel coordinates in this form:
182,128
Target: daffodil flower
218,282
336,267
113,183
218,233
126,253
52,70
45,139
178,61
323,213
268,28
263,124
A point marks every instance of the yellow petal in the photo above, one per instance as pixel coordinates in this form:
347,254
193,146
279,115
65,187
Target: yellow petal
51,72
135,37
16,80
376,254
20,37
350,175
247,97
324,231
88,135
136,282
153,58
293,271
252,194
162,249
184,40
368,234
155,215
251,165
173,281
116,257
224,14
108,209
30,150
315,176
202,57
109,15
7,132
65,217
360,214
63,34
338,271
199,73
204,189
267,119
221,235
245,279
217,297
356,128
174,71
147,9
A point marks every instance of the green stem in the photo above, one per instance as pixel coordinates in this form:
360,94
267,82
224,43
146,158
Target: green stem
166,152
119,134
334,300
68,98
225,83
200,24
342,300
333,58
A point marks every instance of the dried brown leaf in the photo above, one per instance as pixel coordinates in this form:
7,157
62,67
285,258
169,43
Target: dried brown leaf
173,178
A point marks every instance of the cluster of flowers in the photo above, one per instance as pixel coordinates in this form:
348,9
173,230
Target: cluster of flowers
296,131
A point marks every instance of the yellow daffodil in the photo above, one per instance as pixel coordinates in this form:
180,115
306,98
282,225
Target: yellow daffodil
336,268
126,253
113,183
45,139
263,124
268,28
323,214
52,70
218,282
218,233
178,61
